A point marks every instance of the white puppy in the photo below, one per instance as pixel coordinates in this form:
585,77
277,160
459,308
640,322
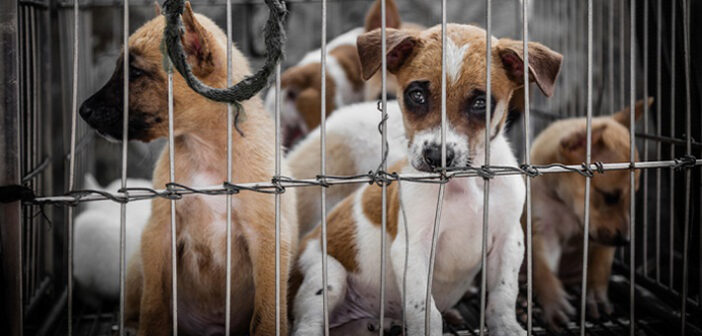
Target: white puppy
96,241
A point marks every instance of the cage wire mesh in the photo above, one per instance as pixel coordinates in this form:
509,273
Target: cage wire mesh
638,49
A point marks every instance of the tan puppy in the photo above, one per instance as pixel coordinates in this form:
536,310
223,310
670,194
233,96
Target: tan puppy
558,211
200,156
354,225
301,95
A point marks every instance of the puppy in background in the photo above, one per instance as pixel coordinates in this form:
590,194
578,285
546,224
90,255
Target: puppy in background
353,148
301,95
200,141
96,241
559,205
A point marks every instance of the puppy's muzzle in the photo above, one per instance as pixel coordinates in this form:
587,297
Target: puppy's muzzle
431,155
103,110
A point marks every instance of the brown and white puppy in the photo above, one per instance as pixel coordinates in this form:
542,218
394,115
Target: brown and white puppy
200,160
354,225
301,95
559,205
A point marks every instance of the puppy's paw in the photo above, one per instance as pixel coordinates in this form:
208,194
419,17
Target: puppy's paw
557,308
598,303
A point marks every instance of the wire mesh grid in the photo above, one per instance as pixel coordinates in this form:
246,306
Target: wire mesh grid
662,269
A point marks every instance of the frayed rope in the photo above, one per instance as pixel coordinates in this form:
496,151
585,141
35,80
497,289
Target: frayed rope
248,87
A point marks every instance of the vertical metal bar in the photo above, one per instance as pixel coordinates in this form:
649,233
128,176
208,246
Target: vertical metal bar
688,171
383,149
440,200
72,165
123,206
171,163
588,159
622,42
570,61
36,152
323,168
277,200
671,250
632,159
11,213
659,123
610,55
230,118
527,161
486,182
645,172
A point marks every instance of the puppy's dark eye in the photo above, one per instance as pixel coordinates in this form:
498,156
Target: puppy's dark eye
417,97
478,104
611,198
135,72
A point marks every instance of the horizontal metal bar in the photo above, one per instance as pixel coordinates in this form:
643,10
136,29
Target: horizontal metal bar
669,140
135,195
149,3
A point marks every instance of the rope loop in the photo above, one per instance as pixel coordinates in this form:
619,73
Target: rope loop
248,87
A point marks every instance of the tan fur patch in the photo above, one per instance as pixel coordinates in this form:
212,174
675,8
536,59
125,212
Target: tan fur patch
305,163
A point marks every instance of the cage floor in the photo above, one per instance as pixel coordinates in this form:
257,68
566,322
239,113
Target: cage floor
103,322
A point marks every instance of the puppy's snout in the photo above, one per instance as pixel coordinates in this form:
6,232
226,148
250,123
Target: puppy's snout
432,156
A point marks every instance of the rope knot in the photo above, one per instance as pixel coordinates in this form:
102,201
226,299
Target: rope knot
16,192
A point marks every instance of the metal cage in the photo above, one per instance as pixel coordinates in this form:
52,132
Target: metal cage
615,52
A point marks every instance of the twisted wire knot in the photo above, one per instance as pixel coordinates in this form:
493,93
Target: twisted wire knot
686,161
530,170
485,172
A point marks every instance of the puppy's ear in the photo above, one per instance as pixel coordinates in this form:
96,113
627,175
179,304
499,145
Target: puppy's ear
574,146
400,45
374,16
157,8
624,116
196,44
544,63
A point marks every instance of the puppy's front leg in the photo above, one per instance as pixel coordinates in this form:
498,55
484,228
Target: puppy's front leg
260,240
154,314
503,265
417,268
548,288
600,267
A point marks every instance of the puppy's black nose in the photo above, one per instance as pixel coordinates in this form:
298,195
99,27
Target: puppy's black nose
85,112
432,156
